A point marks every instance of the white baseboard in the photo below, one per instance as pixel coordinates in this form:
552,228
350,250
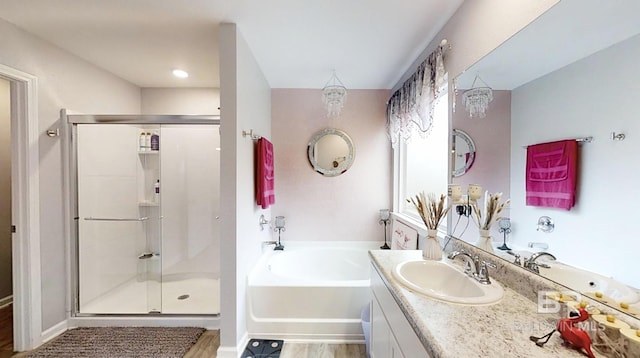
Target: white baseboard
54,331
234,352
6,301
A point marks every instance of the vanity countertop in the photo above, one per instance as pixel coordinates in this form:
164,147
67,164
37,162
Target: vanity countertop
451,330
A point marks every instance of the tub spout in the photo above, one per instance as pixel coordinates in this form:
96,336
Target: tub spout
277,246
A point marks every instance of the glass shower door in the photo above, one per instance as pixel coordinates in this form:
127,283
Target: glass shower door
119,220
190,225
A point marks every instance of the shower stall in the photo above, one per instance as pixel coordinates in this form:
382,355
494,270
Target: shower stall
145,201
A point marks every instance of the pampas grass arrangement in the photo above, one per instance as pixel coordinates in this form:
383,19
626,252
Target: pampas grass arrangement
489,214
431,211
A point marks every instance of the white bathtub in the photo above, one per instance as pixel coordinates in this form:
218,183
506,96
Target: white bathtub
310,291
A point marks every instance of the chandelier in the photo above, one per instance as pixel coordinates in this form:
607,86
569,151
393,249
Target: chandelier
334,95
476,100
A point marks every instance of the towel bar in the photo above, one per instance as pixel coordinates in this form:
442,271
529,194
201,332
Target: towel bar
579,140
116,219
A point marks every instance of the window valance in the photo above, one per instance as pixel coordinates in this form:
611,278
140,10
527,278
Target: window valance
410,108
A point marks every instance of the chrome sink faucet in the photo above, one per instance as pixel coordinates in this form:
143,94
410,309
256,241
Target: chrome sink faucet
479,267
531,264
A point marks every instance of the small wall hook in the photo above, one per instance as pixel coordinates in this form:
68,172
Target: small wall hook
53,132
617,136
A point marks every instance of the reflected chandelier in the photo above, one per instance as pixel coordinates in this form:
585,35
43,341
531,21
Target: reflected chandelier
476,99
334,95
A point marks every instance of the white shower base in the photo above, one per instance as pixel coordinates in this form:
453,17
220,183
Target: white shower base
132,297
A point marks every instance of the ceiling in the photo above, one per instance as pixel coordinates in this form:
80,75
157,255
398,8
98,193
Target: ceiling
369,43
568,32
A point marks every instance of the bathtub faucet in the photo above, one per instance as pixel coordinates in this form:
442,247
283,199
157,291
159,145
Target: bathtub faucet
533,266
266,243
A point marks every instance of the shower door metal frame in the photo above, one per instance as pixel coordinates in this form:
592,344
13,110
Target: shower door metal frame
70,122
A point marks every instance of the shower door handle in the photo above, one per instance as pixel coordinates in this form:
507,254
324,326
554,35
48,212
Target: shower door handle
144,218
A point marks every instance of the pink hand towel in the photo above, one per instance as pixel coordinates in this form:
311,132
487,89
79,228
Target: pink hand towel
265,192
551,174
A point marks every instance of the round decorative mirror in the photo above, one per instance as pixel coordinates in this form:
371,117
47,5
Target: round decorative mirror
464,151
331,152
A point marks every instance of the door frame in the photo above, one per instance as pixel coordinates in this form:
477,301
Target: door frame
25,206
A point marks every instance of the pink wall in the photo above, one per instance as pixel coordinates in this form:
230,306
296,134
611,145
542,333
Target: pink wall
492,137
344,207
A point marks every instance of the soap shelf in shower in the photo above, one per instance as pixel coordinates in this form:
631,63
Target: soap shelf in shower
148,203
149,152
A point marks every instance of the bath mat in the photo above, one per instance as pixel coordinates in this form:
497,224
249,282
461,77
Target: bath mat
121,342
263,348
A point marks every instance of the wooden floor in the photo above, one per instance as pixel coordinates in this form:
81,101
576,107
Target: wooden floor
6,331
207,347
323,350
208,344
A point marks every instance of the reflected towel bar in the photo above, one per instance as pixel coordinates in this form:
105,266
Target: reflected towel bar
116,219
579,140
250,134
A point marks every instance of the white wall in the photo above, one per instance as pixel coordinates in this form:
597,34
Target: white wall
64,81
592,97
245,99
344,207
203,101
5,190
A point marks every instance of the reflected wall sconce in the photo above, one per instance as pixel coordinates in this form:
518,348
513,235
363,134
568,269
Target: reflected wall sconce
385,215
505,228
463,203
476,99
279,227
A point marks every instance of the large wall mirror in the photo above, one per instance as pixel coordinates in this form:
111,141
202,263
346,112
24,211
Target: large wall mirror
331,152
573,73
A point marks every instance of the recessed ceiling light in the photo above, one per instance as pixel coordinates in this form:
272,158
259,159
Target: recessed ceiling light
180,73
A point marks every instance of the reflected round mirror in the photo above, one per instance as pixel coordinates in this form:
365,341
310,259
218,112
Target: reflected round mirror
331,152
464,152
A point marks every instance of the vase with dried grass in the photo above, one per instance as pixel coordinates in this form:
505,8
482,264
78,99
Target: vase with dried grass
432,211
487,216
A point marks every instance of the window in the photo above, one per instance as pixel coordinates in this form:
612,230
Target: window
422,164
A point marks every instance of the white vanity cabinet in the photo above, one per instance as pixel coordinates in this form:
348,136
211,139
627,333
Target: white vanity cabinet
391,334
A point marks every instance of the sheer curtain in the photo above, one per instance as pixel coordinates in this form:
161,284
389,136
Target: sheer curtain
410,109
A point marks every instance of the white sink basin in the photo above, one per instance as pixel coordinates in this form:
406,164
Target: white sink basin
443,281
588,282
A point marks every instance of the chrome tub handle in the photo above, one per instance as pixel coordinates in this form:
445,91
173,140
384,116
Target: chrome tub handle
147,255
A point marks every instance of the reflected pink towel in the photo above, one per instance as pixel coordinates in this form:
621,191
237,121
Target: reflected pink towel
265,193
551,175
